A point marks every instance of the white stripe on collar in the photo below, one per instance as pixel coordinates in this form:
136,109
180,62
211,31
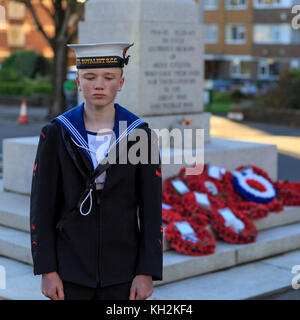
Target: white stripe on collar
126,132
69,125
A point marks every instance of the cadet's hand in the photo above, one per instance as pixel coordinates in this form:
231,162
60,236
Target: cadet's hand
141,288
52,286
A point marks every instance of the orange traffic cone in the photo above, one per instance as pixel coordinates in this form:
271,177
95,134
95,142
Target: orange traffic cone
23,113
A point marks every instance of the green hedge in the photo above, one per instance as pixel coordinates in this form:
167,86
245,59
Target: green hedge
227,96
286,94
223,97
24,64
25,88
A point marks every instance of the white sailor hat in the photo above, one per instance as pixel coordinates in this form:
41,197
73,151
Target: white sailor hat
101,55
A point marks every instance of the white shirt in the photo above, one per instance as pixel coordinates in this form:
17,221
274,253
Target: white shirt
98,144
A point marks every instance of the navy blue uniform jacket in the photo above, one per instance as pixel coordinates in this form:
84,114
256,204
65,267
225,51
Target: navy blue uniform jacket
109,245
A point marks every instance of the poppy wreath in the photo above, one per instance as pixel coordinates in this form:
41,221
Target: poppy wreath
273,205
227,233
252,210
288,192
257,171
171,215
203,183
205,246
194,208
172,196
253,187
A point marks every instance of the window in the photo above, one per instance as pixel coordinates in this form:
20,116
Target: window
294,63
211,33
210,4
295,37
235,33
272,33
265,4
268,69
236,4
240,69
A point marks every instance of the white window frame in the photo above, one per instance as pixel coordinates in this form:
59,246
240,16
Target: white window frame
238,75
236,41
207,31
266,76
210,7
284,31
282,4
230,6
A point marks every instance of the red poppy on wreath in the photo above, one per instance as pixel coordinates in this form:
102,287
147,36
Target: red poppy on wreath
288,192
257,171
207,181
253,187
233,226
198,205
170,214
252,210
276,204
173,190
197,241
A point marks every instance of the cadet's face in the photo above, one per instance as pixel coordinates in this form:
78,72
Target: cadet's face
100,86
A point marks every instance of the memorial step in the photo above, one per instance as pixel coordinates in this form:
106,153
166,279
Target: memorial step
15,244
254,280
14,210
269,242
14,213
249,281
20,284
288,216
229,154
1,166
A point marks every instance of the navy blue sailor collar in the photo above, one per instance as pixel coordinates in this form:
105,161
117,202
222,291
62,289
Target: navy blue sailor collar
72,120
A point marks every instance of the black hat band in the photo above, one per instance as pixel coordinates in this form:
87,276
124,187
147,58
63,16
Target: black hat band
101,62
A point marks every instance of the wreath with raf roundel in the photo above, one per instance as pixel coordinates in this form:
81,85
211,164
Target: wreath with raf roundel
232,226
257,171
253,187
273,204
200,242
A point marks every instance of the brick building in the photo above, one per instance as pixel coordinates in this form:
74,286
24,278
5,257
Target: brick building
249,40
20,31
245,40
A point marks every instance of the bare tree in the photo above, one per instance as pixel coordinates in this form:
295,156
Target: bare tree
65,15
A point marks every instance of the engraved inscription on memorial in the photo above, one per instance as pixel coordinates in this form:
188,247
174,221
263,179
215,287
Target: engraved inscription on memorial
173,72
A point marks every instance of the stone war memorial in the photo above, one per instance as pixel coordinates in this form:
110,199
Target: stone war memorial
164,85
